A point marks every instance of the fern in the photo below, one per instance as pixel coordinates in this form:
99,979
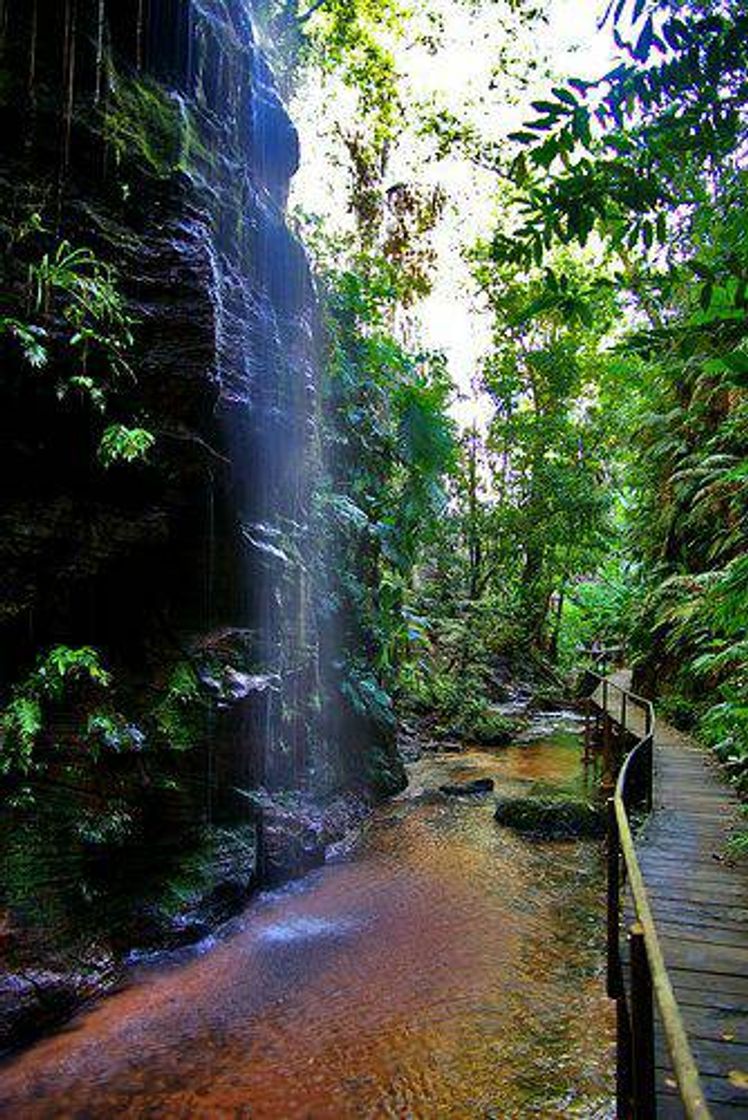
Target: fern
20,725
23,720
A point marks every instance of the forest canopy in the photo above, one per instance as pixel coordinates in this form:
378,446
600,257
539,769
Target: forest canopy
599,491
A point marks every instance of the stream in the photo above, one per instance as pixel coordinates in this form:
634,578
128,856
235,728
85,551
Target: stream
439,967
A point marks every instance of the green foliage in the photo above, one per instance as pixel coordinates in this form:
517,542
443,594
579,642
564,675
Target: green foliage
176,714
63,665
628,155
68,708
533,509
600,607
367,697
122,443
650,159
347,37
72,309
56,674
477,723
21,725
391,444
31,339
737,845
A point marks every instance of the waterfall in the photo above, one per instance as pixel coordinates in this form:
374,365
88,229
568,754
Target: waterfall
267,357
172,153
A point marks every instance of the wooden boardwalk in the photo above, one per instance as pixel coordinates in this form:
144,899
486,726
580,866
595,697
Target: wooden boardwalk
699,900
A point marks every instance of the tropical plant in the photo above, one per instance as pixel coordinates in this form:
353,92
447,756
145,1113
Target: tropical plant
71,300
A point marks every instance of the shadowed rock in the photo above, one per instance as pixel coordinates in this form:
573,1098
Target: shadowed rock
471,789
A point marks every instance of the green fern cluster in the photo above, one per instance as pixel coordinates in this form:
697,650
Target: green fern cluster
23,720
71,293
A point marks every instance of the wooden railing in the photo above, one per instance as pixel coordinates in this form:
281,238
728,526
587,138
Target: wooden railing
648,981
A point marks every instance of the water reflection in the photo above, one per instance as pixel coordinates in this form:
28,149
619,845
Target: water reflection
446,968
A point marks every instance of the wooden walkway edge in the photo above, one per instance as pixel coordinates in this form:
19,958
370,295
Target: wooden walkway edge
699,901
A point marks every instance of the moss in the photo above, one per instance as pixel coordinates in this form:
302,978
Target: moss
143,122
551,817
481,726
491,730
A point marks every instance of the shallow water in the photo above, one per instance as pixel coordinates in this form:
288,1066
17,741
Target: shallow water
443,968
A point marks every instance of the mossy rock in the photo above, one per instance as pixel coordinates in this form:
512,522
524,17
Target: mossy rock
486,729
147,125
548,817
493,731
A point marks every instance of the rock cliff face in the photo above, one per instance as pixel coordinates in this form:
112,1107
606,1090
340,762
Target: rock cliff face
156,139
152,134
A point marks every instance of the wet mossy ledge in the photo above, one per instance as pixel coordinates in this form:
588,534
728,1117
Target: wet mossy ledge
551,816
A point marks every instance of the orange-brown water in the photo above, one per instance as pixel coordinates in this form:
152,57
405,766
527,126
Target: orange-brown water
445,968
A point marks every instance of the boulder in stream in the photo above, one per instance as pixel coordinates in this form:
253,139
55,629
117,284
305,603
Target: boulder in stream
476,787
551,817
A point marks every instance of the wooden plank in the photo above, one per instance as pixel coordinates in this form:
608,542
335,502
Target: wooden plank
704,932
707,909
708,862
675,903
669,1107
716,1089
714,984
657,870
712,1056
716,1023
705,956
681,891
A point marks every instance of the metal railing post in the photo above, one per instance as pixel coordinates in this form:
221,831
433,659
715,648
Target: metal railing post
587,727
642,1028
624,1071
614,904
649,772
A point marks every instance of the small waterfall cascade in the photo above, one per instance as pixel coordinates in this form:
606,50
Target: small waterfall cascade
267,351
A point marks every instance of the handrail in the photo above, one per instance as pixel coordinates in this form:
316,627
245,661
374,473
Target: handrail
656,981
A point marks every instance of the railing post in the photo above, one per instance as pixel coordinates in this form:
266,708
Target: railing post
608,766
649,772
624,698
614,904
587,727
624,1071
642,1027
